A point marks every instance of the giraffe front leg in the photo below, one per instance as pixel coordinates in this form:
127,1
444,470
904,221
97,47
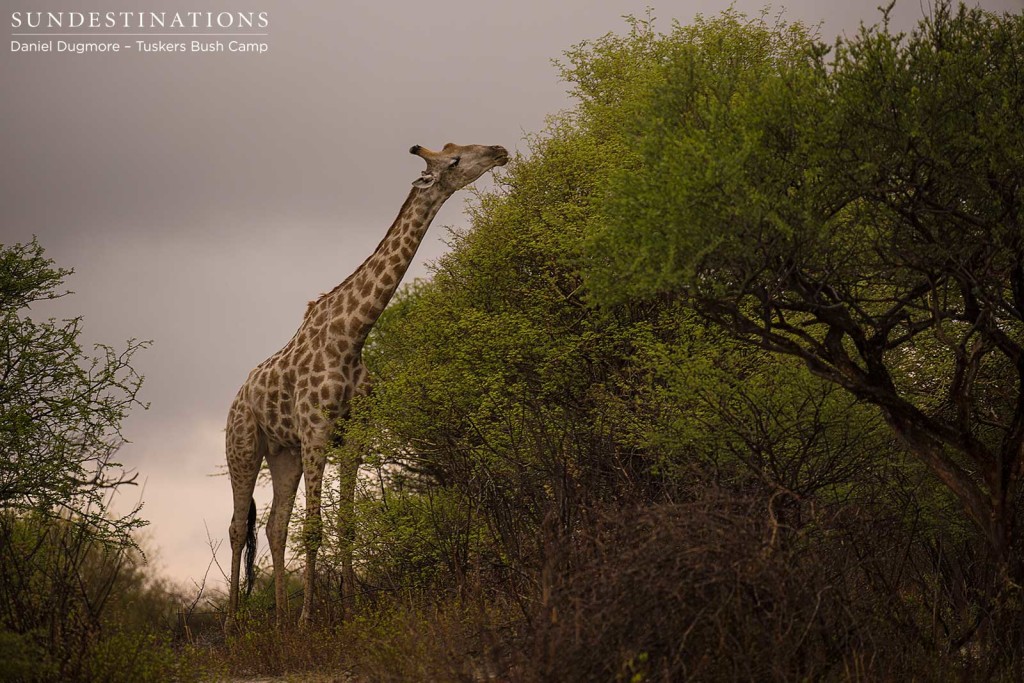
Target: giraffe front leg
348,473
313,462
347,476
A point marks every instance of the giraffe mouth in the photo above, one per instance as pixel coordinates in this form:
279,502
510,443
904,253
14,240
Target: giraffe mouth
501,156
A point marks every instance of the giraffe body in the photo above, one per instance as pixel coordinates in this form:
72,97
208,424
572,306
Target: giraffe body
288,410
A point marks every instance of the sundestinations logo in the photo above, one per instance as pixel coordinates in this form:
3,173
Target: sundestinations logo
199,31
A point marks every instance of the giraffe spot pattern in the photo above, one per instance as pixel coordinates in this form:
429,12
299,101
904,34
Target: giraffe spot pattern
287,407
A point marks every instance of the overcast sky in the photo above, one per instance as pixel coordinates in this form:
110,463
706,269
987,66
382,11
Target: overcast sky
203,199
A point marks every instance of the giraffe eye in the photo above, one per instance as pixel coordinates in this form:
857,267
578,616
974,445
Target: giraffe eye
454,162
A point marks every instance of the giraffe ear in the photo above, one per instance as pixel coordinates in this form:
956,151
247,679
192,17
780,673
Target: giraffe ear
426,179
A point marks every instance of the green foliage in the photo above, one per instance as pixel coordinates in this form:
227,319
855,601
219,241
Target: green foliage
60,410
414,540
861,212
138,657
24,658
729,88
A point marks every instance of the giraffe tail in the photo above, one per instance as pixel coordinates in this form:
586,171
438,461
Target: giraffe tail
250,548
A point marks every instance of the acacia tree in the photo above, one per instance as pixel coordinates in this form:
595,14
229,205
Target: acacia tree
860,209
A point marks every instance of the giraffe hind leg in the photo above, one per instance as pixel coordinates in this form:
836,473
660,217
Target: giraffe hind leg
314,459
245,454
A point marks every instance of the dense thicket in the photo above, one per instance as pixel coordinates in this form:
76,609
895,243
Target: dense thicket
723,380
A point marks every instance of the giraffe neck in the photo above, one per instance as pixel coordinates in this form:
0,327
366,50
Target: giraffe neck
361,299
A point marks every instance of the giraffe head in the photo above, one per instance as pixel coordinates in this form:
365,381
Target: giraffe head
456,166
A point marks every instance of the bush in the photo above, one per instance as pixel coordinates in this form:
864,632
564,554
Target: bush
138,657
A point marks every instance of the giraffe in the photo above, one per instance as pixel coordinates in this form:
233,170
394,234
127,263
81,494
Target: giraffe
287,410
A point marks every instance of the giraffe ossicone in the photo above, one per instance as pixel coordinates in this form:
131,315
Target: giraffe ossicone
288,409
